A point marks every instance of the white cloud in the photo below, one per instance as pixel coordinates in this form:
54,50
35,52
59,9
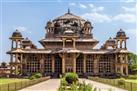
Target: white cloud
125,17
131,31
128,1
97,17
82,6
97,9
22,29
72,4
126,9
91,5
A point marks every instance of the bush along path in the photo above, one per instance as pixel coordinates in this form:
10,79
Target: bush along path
101,86
70,82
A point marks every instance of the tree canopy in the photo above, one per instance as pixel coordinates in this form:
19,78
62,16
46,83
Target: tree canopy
132,63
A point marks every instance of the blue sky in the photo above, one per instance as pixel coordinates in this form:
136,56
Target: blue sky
30,17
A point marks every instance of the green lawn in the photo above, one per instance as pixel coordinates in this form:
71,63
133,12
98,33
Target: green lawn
131,80
10,80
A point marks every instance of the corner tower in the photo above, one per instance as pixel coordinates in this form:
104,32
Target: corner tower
121,39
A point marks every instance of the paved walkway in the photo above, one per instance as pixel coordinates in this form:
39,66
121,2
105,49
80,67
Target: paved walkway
53,85
49,85
101,86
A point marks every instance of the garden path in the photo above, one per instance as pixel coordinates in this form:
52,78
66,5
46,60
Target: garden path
53,85
49,85
101,86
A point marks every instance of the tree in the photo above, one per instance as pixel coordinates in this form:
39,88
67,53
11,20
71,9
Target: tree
3,64
132,63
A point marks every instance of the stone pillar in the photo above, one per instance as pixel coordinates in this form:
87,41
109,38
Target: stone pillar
16,43
21,63
74,62
53,64
120,43
121,70
16,69
127,70
96,67
25,65
125,44
63,43
16,57
42,65
12,44
63,63
116,43
84,64
74,44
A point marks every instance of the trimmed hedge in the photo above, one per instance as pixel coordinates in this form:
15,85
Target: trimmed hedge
71,77
35,76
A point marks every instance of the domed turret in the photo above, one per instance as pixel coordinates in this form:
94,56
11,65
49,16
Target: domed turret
110,40
109,43
88,24
17,34
121,39
26,40
27,44
49,25
16,39
121,33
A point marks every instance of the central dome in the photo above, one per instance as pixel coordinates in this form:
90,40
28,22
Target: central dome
76,24
69,16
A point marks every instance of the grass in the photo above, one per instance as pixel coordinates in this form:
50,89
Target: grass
131,80
10,80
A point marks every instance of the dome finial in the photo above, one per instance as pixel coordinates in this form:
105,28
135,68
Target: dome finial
68,11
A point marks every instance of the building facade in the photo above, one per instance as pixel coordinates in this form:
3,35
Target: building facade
69,46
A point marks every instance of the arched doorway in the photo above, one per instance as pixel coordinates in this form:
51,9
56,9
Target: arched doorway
58,65
79,65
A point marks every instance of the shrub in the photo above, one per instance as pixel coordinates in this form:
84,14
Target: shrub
63,85
118,75
85,87
121,81
35,76
32,77
38,75
132,77
71,78
63,82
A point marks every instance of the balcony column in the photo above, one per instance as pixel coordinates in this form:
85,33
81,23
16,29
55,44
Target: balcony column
74,62
21,56
121,70
96,67
74,43
53,64
63,63
84,64
42,65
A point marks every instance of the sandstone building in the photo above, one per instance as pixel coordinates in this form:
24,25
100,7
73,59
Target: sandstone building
68,46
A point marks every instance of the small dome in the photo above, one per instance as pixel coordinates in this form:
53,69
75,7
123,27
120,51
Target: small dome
17,34
88,24
110,40
26,40
49,24
121,33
